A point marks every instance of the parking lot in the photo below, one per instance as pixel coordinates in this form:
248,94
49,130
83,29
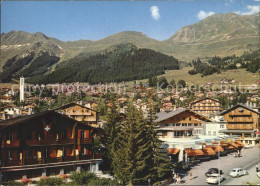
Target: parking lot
248,162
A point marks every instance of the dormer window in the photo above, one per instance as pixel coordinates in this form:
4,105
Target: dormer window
241,110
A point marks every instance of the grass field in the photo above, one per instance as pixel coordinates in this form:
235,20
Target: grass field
240,75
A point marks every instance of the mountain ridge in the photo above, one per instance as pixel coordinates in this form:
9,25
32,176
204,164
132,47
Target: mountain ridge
218,34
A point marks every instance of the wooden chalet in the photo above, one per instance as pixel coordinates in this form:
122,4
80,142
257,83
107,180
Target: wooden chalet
181,123
242,121
207,106
47,142
80,113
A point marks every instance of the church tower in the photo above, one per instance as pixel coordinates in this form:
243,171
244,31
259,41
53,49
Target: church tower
21,89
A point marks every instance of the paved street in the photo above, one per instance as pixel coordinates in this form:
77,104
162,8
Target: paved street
226,163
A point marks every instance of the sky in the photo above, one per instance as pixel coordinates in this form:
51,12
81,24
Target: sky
94,20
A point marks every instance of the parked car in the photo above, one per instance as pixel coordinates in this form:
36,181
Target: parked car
248,146
215,178
222,135
213,171
236,172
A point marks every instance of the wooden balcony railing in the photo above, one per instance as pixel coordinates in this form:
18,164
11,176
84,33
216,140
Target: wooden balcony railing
35,142
8,163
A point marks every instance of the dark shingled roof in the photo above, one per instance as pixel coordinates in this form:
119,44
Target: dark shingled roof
238,105
204,99
21,119
165,115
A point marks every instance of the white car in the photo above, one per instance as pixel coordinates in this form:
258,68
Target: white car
238,172
215,178
248,146
222,135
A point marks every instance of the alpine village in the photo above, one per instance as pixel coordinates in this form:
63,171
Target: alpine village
132,110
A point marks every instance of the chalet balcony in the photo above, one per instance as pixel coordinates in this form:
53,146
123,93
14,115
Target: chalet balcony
86,141
11,143
13,163
50,160
36,142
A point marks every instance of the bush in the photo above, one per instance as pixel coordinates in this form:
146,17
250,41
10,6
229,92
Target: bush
13,183
82,178
50,181
100,181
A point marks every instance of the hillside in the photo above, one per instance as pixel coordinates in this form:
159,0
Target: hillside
219,34
122,62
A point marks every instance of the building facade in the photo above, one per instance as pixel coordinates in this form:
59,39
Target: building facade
80,113
181,123
207,106
242,121
45,143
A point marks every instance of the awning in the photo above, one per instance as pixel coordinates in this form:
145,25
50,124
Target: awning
235,131
194,152
209,151
234,145
230,147
239,143
173,151
217,148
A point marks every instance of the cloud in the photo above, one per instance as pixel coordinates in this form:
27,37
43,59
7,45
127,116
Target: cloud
252,9
257,0
202,14
155,12
228,2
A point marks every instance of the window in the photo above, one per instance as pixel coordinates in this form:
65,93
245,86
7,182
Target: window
195,124
214,133
10,136
221,126
10,154
164,133
190,124
82,134
63,134
209,133
190,118
166,125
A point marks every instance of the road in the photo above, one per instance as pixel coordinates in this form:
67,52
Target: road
248,161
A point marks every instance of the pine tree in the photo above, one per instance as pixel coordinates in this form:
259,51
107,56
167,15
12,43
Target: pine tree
133,159
109,136
162,168
138,156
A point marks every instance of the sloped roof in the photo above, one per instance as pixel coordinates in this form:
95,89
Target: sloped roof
73,104
21,119
204,99
236,106
165,115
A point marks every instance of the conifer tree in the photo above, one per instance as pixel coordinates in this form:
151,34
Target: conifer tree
133,158
162,168
109,136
